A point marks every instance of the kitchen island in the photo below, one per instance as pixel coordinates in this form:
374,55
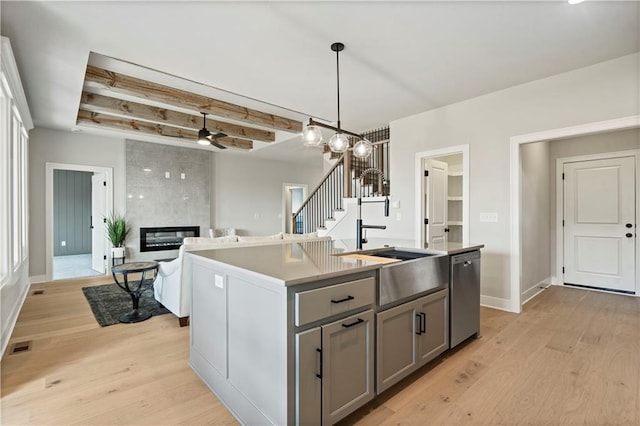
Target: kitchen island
286,334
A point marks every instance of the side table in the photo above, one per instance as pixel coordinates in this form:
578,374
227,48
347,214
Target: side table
135,315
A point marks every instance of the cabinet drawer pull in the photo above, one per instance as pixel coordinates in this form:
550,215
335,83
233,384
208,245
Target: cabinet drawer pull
346,299
319,375
360,320
419,328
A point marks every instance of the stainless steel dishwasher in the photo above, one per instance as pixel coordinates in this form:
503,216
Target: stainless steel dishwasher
464,297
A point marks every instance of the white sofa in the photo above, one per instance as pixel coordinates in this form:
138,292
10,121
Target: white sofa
172,285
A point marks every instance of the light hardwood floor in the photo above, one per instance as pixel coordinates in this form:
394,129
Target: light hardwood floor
572,357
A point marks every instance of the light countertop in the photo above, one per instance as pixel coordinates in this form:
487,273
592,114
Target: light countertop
306,261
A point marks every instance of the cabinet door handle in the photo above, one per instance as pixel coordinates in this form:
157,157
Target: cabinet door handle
346,299
319,351
360,321
423,323
419,328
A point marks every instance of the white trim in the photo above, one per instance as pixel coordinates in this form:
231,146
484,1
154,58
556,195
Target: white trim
419,185
515,171
10,70
527,295
37,279
48,231
285,190
560,162
495,303
15,311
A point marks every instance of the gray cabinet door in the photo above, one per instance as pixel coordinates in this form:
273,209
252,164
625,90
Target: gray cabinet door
396,345
209,317
434,331
348,357
308,377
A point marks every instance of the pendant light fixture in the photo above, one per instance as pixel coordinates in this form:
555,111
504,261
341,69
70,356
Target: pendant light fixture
206,138
339,142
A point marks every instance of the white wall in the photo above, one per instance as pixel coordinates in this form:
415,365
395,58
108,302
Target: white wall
247,192
55,146
600,92
535,217
623,140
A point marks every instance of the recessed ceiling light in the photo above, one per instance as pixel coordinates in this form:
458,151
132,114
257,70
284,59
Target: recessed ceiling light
575,1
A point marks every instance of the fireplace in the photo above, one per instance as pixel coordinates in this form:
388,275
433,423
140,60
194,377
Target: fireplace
166,238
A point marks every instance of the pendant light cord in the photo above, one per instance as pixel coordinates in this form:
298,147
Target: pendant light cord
338,82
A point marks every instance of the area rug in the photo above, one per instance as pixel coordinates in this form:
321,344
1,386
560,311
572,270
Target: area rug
108,302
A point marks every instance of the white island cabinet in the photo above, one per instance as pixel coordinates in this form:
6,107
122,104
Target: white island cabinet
298,350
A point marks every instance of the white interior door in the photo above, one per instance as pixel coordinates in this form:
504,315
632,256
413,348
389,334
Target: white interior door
98,213
599,223
437,175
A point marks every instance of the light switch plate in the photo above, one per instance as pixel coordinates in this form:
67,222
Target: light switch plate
183,176
167,175
488,217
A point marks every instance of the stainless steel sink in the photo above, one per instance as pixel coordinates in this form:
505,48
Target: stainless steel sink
402,254
419,272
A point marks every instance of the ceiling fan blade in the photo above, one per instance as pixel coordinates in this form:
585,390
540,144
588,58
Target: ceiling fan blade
214,140
217,145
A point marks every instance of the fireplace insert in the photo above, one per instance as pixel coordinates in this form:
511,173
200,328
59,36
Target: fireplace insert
166,238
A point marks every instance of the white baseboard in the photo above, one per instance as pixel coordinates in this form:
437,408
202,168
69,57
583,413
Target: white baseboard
495,303
37,279
535,290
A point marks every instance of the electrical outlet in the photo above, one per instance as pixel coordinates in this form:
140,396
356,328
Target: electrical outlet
183,176
398,216
167,175
63,243
488,217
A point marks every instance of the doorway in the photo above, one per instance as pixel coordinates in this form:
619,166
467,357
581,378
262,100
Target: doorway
78,198
442,186
293,195
516,212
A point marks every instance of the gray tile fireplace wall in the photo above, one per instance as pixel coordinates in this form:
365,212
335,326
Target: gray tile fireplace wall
166,186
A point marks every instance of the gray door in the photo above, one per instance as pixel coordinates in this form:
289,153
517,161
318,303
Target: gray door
396,342
434,333
348,356
308,377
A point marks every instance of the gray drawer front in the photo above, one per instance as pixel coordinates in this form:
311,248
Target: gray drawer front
314,305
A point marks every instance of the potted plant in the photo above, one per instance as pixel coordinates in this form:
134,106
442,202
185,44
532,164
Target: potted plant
117,231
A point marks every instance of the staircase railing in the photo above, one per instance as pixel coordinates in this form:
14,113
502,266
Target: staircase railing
322,202
342,181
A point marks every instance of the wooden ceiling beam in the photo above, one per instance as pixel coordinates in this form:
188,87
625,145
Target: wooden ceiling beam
136,87
119,123
99,103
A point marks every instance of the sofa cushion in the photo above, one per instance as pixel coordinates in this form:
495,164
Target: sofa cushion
294,237
259,239
209,241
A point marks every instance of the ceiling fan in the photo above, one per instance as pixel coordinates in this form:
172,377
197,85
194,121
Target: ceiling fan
205,137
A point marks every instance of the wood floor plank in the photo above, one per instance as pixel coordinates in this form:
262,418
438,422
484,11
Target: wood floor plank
572,357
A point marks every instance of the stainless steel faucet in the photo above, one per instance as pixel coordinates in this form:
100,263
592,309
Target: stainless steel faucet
359,225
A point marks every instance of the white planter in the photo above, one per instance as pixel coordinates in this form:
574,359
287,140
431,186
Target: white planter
117,252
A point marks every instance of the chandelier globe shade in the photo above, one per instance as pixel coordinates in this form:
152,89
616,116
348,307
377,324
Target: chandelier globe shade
312,135
363,148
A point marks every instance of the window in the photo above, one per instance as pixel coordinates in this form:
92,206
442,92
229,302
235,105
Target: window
15,189
24,206
5,167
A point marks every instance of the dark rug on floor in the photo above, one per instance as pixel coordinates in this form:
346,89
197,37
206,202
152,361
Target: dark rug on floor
108,302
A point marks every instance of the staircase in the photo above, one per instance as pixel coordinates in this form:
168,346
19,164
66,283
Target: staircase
325,206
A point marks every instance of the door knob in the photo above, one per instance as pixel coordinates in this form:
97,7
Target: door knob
628,235
628,225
